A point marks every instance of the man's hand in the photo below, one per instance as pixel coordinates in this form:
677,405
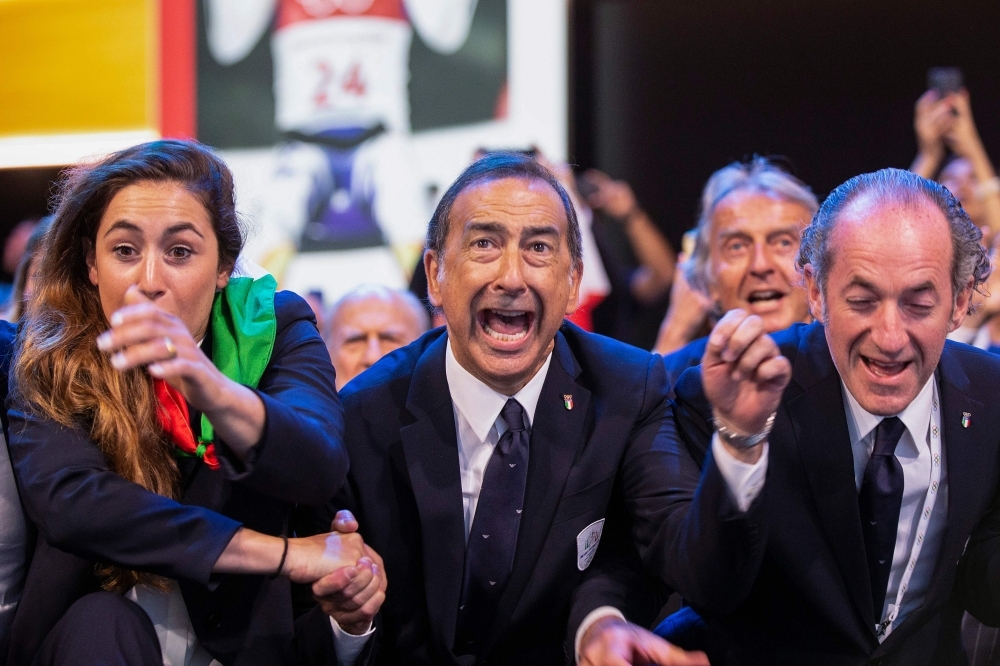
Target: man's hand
353,595
932,119
744,375
962,136
689,308
614,197
611,641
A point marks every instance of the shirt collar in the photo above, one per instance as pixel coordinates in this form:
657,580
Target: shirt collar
916,417
480,404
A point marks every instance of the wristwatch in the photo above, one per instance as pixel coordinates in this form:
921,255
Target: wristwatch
738,441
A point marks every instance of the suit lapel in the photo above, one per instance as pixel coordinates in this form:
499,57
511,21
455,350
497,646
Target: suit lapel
557,434
966,475
430,447
819,424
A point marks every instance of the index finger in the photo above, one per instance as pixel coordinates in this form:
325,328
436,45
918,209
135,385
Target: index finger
718,339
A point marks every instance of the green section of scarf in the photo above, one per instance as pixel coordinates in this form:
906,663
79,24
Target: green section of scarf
244,326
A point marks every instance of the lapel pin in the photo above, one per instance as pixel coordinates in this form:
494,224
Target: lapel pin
568,401
966,419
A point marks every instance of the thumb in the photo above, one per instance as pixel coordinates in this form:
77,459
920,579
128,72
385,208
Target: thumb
134,296
344,522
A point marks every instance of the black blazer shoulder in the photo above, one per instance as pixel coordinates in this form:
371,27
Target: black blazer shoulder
686,357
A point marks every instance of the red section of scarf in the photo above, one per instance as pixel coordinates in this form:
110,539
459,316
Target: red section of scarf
173,416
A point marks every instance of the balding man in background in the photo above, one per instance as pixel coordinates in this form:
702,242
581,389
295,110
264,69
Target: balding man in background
368,323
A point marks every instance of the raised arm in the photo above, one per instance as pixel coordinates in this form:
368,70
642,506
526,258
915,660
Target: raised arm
694,525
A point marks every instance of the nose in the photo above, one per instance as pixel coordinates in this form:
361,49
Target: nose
888,332
761,264
373,350
151,279
511,272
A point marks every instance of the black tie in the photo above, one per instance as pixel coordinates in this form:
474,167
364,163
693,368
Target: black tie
489,556
880,498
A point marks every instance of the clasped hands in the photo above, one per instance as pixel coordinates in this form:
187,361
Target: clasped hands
347,576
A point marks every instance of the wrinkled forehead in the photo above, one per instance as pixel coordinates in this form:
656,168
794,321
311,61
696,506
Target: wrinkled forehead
511,201
750,208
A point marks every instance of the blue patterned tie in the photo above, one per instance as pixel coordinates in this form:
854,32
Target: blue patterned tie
489,555
880,498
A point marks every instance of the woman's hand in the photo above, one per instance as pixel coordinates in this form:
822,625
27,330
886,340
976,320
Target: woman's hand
144,335
353,595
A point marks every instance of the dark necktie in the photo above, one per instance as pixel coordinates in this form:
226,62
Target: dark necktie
489,555
880,498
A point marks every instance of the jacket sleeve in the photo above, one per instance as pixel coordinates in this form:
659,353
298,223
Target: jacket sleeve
81,506
978,579
300,457
688,529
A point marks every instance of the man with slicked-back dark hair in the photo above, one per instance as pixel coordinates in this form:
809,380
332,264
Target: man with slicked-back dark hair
486,455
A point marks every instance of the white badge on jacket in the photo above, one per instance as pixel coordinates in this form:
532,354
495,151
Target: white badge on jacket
586,544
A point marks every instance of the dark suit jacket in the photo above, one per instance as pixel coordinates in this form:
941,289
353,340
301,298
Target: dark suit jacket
688,356
405,488
787,582
85,513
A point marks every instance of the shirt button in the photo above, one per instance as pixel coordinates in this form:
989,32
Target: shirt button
927,512
935,431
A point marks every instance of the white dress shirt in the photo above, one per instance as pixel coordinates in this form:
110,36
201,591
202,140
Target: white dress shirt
478,427
924,509
13,544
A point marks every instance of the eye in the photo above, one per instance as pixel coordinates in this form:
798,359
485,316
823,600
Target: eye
482,244
860,304
124,251
179,252
540,247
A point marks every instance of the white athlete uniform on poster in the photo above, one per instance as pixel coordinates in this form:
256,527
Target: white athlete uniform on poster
341,70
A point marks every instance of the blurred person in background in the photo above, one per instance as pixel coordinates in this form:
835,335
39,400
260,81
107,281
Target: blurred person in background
168,417
368,323
638,259
24,274
747,237
943,123
950,149
13,249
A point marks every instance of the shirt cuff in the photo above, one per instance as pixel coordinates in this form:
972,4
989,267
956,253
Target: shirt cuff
592,617
348,646
745,481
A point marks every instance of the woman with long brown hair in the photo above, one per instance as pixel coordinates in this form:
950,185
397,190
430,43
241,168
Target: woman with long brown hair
166,418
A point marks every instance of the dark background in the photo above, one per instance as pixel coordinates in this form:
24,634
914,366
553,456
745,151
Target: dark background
665,93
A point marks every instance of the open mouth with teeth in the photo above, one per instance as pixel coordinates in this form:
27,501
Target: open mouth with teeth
765,296
883,368
506,326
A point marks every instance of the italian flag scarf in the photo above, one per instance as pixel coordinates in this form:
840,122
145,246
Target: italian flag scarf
244,326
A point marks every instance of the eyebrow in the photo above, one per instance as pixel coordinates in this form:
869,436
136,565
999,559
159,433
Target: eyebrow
172,230
497,228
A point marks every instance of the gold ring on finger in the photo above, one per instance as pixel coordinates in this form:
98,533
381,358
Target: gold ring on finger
171,348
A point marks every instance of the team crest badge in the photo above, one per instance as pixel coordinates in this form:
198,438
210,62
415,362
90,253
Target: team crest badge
586,544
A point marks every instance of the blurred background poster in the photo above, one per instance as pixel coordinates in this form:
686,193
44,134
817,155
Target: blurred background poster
345,120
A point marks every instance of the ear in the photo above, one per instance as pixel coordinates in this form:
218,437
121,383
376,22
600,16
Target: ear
575,276
222,279
961,310
814,294
90,256
432,267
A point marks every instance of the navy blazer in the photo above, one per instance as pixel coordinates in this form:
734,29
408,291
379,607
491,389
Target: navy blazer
405,488
688,356
86,513
787,581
